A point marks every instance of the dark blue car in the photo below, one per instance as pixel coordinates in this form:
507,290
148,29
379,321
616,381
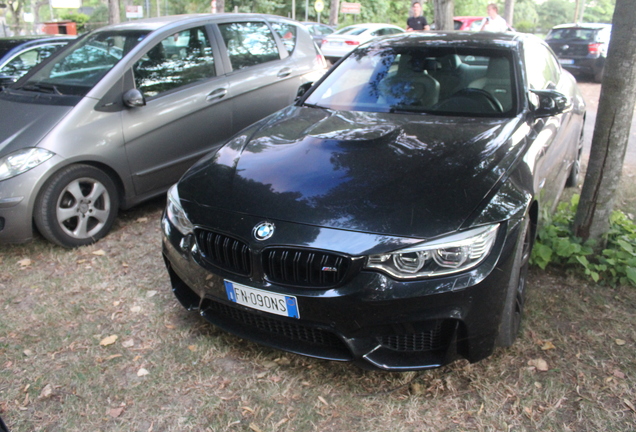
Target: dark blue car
19,54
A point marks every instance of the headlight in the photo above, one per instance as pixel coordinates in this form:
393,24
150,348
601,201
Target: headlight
22,160
452,254
175,213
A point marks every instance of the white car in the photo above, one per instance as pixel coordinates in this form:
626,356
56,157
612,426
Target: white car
343,41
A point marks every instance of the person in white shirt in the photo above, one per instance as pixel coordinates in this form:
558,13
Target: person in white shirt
494,22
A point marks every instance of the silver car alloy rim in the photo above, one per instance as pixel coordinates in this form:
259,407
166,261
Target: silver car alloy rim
83,208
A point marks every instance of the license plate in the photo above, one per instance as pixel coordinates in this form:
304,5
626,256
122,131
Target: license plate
566,61
266,301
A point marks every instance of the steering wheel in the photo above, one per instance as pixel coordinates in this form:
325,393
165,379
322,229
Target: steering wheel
482,97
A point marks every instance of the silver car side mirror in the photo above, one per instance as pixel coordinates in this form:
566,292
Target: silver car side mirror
134,98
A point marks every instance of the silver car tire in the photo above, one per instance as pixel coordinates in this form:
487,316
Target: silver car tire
516,293
77,206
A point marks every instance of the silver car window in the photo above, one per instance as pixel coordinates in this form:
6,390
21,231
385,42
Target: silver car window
287,33
249,44
178,60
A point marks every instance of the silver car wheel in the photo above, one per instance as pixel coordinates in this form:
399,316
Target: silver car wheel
83,208
77,206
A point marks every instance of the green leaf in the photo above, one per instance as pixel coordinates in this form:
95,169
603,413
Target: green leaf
631,274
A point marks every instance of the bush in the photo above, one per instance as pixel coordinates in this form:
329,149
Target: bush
556,245
525,27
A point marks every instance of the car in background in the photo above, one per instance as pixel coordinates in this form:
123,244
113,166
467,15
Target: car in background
388,216
318,31
348,38
470,23
581,48
117,117
20,53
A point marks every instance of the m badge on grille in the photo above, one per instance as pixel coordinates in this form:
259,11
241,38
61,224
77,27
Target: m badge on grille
263,231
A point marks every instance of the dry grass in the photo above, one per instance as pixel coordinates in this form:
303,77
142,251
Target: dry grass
57,306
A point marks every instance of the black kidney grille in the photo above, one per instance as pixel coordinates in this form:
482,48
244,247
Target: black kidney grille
288,330
304,268
428,340
224,252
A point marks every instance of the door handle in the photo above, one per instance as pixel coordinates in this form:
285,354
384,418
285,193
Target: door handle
284,72
216,94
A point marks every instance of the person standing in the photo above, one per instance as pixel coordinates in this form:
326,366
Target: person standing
494,22
417,22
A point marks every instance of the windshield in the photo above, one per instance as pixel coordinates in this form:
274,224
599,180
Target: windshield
78,69
443,81
572,34
351,30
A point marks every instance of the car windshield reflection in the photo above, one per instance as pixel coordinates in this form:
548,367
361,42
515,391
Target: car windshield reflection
77,70
463,82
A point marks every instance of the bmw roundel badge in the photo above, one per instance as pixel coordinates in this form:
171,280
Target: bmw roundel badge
263,231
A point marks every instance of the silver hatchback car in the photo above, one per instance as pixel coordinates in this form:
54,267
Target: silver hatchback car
118,116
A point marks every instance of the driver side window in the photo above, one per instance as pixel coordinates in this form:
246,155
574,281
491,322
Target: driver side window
180,59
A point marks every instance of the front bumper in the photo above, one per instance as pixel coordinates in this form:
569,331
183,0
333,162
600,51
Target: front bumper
17,199
591,65
370,319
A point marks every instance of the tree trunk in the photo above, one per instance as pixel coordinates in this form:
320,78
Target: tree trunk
444,12
333,12
113,12
611,132
509,11
16,13
220,6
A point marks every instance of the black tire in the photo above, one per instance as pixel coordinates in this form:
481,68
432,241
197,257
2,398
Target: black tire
516,292
573,177
77,206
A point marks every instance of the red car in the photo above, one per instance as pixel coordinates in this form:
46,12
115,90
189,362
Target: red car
473,23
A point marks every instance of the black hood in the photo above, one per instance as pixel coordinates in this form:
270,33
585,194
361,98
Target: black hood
394,174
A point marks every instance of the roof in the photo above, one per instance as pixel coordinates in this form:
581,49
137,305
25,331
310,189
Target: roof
583,25
156,23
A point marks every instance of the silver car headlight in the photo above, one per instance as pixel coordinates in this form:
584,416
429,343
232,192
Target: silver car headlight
22,160
447,255
175,213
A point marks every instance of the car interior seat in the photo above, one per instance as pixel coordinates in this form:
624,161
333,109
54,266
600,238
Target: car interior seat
497,81
449,74
410,85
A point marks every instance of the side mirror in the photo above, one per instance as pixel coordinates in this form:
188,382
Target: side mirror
134,98
546,103
303,89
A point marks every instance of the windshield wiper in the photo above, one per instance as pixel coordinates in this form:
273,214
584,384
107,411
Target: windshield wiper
42,88
313,106
406,110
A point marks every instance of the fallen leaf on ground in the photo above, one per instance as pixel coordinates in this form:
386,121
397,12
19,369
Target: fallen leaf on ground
151,293
255,428
109,340
115,412
630,405
548,346
142,219
322,399
25,262
618,374
620,342
99,252
27,352
540,364
46,392
135,309
114,356
128,343
142,372
192,348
